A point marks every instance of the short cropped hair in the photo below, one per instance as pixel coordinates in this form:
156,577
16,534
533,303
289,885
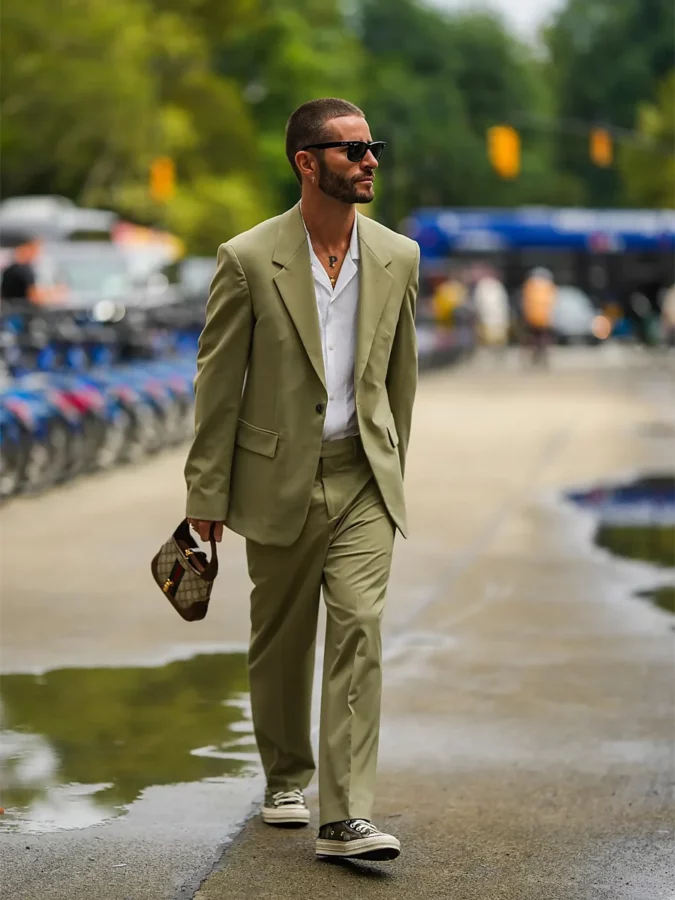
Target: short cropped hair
307,125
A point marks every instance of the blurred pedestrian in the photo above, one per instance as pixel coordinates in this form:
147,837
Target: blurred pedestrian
492,306
645,320
538,300
17,286
312,316
668,316
449,294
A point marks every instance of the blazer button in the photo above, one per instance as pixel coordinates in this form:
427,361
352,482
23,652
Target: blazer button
320,407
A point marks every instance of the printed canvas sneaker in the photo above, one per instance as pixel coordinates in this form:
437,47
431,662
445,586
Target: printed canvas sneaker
356,839
285,808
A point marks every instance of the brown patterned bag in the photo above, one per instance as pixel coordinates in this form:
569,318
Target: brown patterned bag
184,573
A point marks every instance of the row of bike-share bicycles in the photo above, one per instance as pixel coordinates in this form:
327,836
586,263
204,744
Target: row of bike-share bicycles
80,395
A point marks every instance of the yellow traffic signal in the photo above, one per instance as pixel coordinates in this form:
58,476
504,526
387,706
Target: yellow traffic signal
601,147
162,179
503,147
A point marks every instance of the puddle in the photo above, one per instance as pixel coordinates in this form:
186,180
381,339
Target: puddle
636,520
79,745
663,597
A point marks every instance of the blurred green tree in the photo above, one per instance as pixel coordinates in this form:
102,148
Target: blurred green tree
92,92
289,53
606,59
647,165
435,83
77,93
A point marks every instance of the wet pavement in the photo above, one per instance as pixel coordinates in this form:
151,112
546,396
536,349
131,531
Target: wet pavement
527,748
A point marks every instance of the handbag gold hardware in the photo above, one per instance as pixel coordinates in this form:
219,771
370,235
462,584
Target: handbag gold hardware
167,584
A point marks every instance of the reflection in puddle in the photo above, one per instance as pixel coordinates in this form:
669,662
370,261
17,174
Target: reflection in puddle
663,597
80,744
637,521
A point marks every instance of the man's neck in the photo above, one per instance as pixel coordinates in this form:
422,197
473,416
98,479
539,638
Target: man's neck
328,221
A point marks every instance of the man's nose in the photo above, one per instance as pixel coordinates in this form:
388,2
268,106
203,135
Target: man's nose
369,161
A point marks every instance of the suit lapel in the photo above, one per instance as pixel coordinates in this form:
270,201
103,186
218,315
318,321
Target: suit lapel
296,285
374,288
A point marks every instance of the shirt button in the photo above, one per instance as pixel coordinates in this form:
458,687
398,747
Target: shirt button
331,397
320,407
330,347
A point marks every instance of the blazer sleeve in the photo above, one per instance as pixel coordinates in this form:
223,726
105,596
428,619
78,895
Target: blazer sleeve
402,370
222,360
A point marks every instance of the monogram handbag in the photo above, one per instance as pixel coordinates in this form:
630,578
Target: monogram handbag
185,574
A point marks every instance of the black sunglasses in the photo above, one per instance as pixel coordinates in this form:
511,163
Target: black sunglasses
356,150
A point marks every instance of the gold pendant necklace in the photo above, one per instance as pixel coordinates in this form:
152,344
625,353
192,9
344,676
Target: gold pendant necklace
331,262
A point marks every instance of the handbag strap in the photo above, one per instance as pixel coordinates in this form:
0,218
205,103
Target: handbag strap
211,569
184,534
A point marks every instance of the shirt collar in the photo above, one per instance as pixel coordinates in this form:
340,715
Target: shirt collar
354,251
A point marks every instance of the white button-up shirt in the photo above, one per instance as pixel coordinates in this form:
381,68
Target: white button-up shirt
337,322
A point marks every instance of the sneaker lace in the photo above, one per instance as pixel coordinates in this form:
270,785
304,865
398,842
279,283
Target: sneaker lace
288,798
363,827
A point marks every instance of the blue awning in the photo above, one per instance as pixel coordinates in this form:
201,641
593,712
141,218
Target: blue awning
440,232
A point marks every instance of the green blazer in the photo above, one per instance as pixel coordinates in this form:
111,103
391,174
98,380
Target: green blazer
261,387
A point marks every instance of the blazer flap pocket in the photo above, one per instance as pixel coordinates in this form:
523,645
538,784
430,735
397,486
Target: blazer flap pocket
257,440
393,434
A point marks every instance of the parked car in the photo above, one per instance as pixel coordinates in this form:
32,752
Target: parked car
52,218
196,275
78,274
576,320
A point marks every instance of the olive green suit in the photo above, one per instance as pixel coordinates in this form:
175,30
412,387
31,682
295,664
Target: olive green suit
314,513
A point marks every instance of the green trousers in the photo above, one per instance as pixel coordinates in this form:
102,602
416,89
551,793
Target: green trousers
345,548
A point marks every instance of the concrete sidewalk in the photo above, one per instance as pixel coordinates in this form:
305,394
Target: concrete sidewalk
527,748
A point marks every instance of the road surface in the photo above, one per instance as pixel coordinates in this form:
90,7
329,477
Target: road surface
527,747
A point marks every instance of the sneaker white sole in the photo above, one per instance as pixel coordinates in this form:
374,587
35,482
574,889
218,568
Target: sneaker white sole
291,815
378,847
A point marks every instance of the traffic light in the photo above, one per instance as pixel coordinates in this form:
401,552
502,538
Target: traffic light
503,148
162,179
601,147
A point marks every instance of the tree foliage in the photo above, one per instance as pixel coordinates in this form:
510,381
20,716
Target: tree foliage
648,163
92,91
435,84
607,58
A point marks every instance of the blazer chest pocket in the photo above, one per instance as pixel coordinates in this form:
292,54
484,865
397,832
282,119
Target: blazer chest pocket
257,440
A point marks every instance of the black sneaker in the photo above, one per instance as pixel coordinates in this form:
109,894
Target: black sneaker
356,839
285,808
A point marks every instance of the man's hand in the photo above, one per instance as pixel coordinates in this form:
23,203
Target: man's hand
203,529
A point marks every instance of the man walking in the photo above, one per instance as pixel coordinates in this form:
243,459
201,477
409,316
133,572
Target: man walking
307,371
17,284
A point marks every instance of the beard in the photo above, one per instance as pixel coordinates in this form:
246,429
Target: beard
347,190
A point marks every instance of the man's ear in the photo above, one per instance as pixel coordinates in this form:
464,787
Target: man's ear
306,164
